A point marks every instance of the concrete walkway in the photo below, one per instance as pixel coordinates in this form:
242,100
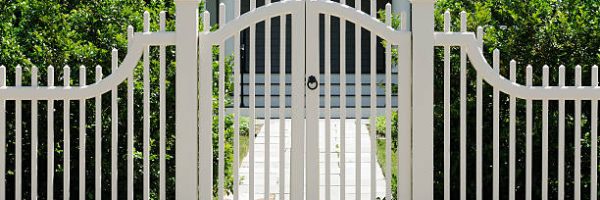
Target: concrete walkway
259,160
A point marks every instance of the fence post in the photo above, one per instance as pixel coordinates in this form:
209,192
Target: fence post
422,36
186,125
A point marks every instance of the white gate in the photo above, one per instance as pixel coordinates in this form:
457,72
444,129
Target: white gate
307,106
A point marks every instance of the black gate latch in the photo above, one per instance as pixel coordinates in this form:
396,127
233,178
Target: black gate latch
312,83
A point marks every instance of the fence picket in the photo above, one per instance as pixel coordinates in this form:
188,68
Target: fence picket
594,130
327,106
496,131
545,80
163,110
463,111
82,136
282,104
342,104
267,93
446,110
577,141
50,140
18,137
67,137
561,137
528,136
512,135
34,136
146,107
2,136
358,105
479,124
98,138
221,113
114,129
388,107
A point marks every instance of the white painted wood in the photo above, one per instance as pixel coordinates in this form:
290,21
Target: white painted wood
447,110
512,135
561,137
358,104
2,135
526,92
463,112
252,116
496,131
130,124
267,82
528,136
34,136
205,121
82,135
405,123
545,82
189,123
479,124
146,113
163,110
298,124
221,113
67,137
115,131
282,79
236,113
594,130
422,49
327,50
388,106
312,157
50,139
343,104
577,141
98,139
18,137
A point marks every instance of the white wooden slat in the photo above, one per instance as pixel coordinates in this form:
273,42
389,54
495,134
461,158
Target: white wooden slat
221,114
446,110
98,139
146,109
236,106
327,50
34,136
204,182
114,173
372,117
252,45
267,164
163,110
545,80
388,105
528,137
130,127
496,131
82,135
50,140
67,137
2,136
512,135
358,105
561,137
463,112
577,141
479,125
404,178
594,130
282,79
18,137
343,104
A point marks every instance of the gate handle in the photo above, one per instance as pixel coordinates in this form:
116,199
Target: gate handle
312,83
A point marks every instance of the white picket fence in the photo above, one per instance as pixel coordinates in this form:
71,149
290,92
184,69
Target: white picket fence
194,109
